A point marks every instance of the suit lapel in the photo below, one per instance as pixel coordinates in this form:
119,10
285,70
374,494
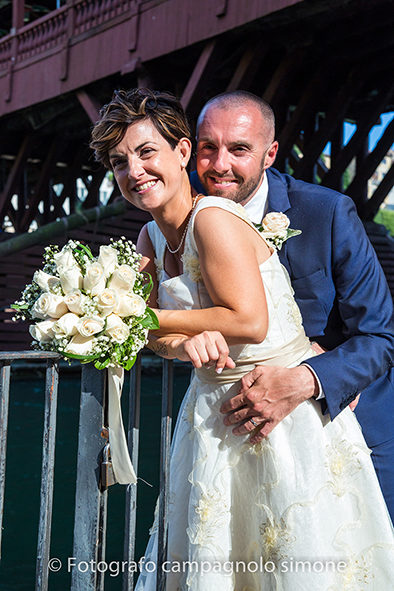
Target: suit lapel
278,199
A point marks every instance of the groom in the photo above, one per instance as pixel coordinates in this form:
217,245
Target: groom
338,282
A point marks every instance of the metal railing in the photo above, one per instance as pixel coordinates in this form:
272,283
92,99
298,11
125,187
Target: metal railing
90,520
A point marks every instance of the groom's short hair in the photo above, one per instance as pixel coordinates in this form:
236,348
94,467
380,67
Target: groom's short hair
239,98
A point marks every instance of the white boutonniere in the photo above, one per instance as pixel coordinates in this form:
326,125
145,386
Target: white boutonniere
275,228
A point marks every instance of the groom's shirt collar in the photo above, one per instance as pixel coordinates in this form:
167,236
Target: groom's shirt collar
257,207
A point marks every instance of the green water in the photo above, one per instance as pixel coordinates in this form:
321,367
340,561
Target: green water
20,523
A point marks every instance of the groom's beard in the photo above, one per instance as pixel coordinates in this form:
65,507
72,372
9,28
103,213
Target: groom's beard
239,191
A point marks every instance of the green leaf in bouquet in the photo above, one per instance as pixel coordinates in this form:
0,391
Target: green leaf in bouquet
150,320
147,288
19,306
291,232
86,249
102,364
82,358
130,363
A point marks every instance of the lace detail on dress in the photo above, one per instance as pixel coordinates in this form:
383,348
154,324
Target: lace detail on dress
191,264
357,574
159,270
212,512
293,313
343,463
276,540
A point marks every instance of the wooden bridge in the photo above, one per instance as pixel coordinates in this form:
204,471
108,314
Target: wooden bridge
320,64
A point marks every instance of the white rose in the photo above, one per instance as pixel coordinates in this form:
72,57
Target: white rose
70,279
65,258
90,325
108,259
43,331
116,329
80,345
94,280
49,305
66,325
123,278
107,302
130,305
74,301
276,222
45,281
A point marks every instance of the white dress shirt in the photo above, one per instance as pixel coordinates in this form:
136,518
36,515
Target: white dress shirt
257,206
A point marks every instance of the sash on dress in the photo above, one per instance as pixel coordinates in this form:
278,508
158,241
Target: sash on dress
288,355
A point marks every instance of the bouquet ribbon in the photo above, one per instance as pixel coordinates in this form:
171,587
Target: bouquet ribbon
120,457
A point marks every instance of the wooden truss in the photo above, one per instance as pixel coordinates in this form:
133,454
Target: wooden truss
317,69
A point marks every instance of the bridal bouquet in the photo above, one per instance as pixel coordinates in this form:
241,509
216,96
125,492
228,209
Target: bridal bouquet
93,309
89,308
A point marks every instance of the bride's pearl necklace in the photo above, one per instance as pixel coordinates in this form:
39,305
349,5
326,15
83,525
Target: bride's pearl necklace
178,248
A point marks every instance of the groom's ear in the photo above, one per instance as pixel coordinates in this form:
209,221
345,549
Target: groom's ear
271,155
184,148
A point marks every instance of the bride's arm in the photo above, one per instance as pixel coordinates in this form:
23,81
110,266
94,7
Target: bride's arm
203,348
229,254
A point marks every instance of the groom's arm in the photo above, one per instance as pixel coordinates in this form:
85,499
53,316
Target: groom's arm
268,394
366,310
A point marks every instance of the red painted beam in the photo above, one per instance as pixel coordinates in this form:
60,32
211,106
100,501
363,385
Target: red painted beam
197,74
93,45
90,105
18,14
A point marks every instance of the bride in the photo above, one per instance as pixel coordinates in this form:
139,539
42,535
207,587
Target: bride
302,510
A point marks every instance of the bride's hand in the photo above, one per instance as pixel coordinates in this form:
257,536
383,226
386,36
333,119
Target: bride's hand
208,347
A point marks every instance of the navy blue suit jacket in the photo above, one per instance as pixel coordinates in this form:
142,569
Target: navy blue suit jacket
344,300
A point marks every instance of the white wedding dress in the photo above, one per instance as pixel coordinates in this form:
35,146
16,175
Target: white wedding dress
244,515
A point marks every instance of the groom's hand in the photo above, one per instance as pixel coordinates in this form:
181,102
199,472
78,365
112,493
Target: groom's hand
267,395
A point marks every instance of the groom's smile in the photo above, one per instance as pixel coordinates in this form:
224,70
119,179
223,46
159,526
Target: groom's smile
232,148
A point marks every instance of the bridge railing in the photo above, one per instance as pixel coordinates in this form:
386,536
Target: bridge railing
59,28
90,519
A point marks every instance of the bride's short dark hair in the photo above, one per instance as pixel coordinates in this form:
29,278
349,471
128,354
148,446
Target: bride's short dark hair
128,106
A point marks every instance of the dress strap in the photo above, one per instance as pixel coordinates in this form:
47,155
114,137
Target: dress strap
159,246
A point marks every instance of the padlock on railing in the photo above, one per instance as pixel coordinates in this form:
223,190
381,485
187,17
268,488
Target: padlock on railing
107,477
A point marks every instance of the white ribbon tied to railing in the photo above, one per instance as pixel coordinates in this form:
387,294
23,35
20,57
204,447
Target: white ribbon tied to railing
121,464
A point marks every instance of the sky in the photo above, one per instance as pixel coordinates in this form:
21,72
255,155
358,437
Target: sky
375,133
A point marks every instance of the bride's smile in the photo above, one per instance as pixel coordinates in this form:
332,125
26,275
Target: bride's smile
147,168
